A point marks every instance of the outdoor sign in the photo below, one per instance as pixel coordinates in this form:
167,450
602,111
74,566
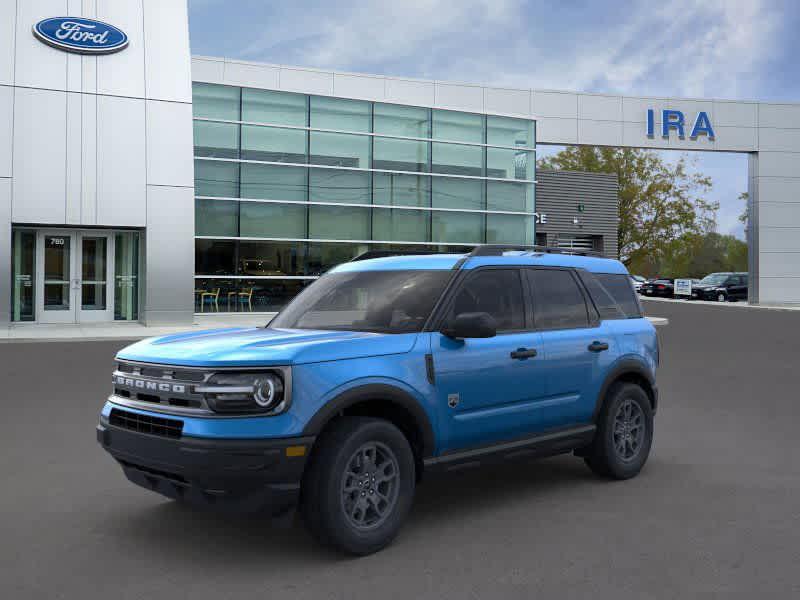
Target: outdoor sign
683,287
674,119
84,36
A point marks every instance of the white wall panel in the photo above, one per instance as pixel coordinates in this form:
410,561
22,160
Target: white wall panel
779,115
779,164
555,104
599,108
635,135
779,189
122,73
89,159
777,239
250,75
779,214
307,81
358,86
5,249
738,139
735,114
779,290
6,128
208,70
601,133
557,131
121,169
634,109
74,159
37,64
8,23
507,102
39,156
408,91
166,37
781,140
464,97
169,143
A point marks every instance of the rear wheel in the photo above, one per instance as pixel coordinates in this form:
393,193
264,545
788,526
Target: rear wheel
359,486
624,433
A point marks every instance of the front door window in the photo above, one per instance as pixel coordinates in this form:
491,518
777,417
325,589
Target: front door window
93,273
57,273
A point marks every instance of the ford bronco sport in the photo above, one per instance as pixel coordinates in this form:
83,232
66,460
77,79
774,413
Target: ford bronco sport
385,369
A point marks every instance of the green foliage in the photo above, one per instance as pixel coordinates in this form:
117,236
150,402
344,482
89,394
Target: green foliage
661,204
696,255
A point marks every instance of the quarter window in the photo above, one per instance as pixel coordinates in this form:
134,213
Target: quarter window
558,302
497,292
613,295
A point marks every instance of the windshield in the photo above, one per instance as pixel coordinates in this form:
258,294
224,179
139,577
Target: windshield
379,301
714,279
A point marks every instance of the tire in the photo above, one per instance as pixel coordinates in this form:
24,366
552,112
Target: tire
606,457
339,510
722,297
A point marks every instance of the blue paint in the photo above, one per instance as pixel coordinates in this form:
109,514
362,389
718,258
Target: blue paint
651,122
77,34
702,124
672,119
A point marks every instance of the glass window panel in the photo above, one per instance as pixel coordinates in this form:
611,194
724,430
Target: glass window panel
337,113
220,140
23,259
401,190
497,292
457,126
407,121
403,225
93,273
272,258
126,276
457,159
270,295
339,150
509,229
215,101
557,300
466,228
400,155
216,178
323,256
273,182
216,217
211,295
509,164
507,195
507,131
273,144
261,219
452,192
337,185
57,272
281,108
339,222
214,257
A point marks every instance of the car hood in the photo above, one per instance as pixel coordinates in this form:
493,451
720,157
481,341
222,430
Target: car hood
261,346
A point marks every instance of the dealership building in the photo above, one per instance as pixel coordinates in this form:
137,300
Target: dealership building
139,183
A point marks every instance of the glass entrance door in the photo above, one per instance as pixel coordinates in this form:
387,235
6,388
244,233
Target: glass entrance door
73,274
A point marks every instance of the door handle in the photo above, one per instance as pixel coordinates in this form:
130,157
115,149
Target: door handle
522,353
596,346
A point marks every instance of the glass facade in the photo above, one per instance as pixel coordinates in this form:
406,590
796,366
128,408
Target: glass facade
288,185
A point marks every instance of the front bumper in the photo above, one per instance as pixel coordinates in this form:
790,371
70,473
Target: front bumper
226,474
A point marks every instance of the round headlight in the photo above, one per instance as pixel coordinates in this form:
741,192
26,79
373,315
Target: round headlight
268,391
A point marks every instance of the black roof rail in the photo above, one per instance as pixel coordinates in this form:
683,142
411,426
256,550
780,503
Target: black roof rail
385,253
499,249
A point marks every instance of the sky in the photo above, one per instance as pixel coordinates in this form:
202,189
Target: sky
733,49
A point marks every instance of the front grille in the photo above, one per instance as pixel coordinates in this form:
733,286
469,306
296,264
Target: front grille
171,428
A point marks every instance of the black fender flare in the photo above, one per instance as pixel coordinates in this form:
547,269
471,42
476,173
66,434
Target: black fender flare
626,366
376,391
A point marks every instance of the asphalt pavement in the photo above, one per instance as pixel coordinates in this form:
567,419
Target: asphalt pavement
715,513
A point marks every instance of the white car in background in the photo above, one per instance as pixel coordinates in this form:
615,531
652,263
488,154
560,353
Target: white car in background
637,281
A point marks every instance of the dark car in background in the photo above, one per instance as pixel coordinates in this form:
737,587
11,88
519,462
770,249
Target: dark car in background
722,287
661,288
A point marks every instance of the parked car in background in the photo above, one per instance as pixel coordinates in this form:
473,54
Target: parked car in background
722,287
661,288
638,281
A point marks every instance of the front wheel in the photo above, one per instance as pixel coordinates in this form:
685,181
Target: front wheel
624,433
359,486
721,297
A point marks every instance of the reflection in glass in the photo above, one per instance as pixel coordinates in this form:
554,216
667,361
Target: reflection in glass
273,144
214,257
280,108
216,178
400,155
457,126
264,219
338,185
273,182
509,164
215,101
338,222
452,192
406,121
339,150
457,159
216,217
126,276
401,225
219,140
401,190
507,195
56,272
341,114
507,131
93,273
23,260
272,258
457,227
323,256
509,229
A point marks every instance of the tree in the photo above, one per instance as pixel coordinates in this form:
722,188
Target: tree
659,202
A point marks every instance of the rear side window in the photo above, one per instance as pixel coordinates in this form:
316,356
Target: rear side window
494,291
558,302
617,298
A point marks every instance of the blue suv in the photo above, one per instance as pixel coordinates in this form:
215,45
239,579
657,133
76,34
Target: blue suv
386,369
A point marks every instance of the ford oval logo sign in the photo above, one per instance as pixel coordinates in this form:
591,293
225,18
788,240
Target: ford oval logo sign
76,34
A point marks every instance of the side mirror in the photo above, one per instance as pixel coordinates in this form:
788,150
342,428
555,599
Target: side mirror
471,325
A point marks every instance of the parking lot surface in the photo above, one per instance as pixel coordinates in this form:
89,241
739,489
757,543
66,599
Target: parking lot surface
715,513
